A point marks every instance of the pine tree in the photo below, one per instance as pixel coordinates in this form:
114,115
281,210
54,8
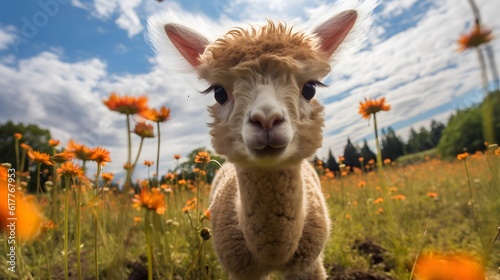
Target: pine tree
351,155
436,131
331,163
392,145
366,153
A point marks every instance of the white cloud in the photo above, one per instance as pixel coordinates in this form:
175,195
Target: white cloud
126,14
417,69
67,99
7,36
121,49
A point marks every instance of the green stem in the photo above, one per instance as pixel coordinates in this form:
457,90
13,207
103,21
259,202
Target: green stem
129,156
78,229
55,191
150,247
137,157
38,187
96,221
16,148
158,157
377,143
476,226
195,260
482,67
66,229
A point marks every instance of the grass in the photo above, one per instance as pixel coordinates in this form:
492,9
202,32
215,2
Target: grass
382,221
406,221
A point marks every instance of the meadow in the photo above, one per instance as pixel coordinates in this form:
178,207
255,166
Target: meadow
383,223
423,217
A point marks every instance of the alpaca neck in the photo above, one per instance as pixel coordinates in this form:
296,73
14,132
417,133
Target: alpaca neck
272,211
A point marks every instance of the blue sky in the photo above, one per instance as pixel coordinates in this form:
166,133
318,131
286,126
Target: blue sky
60,58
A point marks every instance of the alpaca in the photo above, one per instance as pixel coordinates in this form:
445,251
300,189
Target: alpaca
267,208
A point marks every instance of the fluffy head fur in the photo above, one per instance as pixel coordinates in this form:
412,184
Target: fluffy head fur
240,45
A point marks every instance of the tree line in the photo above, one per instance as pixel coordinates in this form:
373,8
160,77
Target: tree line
464,131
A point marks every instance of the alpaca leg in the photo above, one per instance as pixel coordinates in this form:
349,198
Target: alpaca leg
315,272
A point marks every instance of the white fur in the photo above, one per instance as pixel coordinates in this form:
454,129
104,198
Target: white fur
164,49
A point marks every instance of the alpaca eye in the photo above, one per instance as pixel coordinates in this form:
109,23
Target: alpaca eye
220,95
309,89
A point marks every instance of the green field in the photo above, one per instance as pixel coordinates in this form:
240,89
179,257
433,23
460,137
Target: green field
381,223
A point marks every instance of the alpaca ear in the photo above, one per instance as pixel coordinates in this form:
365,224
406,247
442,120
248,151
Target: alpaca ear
334,31
188,42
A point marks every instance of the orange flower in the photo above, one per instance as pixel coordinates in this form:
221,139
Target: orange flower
387,161
177,156
448,266
79,150
329,175
475,38
463,156
39,157
25,146
206,214
70,169
361,159
341,158
127,104
372,106
393,189
398,197
54,142
137,219
361,184
156,115
170,176
3,173
151,200
190,204
62,157
48,225
148,163
100,155
106,177
127,166
380,210
378,200
202,157
18,135
182,182
29,221
432,194
144,130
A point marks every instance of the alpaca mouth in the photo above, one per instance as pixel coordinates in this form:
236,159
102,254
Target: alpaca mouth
269,151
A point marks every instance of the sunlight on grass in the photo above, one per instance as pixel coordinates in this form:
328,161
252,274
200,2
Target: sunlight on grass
401,223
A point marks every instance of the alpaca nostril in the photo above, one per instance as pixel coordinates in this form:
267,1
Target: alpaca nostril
266,122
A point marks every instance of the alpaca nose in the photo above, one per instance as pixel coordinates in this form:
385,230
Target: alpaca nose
266,118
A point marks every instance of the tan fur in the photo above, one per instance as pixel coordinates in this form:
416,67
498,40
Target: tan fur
267,215
267,209
240,45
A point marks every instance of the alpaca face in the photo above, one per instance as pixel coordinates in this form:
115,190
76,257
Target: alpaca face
263,80
268,114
